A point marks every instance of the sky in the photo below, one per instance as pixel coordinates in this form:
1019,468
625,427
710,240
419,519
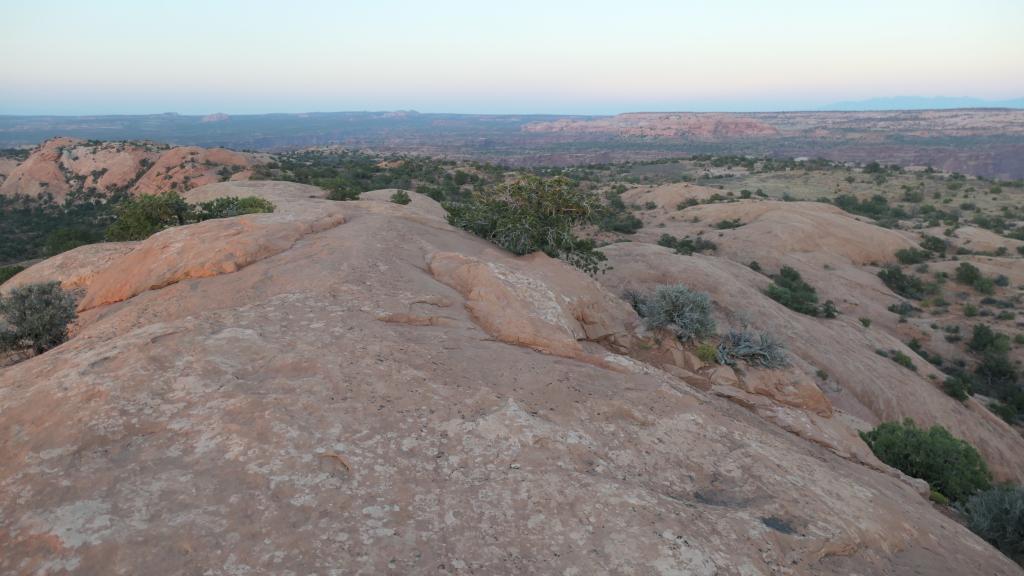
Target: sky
527,56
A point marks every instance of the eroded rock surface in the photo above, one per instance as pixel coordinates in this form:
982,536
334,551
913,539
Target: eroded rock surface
64,167
864,385
74,269
272,419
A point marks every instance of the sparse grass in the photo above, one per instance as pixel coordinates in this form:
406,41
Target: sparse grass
707,353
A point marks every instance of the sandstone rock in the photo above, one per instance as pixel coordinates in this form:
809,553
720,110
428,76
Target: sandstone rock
192,164
788,386
266,421
40,173
831,433
419,203
976,239
668,196
520,301
723,376
794,227
74,269
864,386
7,165
208,248
662,349
62,166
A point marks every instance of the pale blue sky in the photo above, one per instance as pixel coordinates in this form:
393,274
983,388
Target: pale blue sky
191,56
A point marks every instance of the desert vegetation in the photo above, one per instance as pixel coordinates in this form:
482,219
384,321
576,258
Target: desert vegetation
595,215
997,515
951,466
35,317
140,218
533,214
686,245
789,289
400,197
755,348
8,272
681,311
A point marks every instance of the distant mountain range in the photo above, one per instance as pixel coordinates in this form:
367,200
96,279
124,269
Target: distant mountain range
922,103
980,141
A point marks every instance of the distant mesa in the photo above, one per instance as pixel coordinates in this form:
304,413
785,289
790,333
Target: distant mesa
701,126
218,117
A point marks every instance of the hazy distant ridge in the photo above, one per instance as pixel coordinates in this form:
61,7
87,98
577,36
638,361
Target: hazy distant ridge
921,103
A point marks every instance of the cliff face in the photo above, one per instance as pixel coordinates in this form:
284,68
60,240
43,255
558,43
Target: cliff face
360,387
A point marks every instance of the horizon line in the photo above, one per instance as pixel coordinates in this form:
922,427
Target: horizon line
573,114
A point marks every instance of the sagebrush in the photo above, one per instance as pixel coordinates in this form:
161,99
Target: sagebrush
36,316
683,312
997,515
756,348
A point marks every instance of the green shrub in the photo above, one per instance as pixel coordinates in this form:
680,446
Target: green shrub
686,245
684,312
756,348
64,239
616,217
37,316
912,256
141,217
970,275
985,339
997,515
706,353
995,374
8,272
950,465
231,206
829,310
938,498
790,290
343,192
903,360
531,215
400,197
865,322
934,244
903,284
958,387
